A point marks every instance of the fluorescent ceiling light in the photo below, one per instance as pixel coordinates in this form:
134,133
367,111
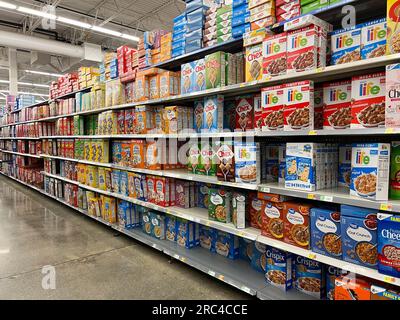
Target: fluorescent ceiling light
28,84
30,93
107,31
74,22
4,81
36,12
7,5
44,73
129,37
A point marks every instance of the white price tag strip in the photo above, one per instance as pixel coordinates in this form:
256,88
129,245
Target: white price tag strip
176,256
327,198
266,189
245,289
211,273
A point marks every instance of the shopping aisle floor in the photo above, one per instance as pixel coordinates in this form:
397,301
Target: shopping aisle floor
90,261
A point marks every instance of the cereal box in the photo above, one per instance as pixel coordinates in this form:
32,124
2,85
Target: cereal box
154,86
207,164
137,159
244,119
309,277
346,45
392,112
144,119
152,156
326,232
141,187
219,206
278,270
274,55
187,77
194,158
142,88
273,101
171,120
380,293
227,244
226,161
116,176
373,39
282,163
368,101
123,183
213,113
151,188
170,228
124,214
207,237
331,274
272,220
131,185
337,105
254,62
200,75
318,107
157,225
199,116
146,221
344,165
247,162
349,288
182,194
359,235
389,244
162,190
246,249
370,170
126,154
299,106
302,49
296,220
229,114
187,233
239,210
255,211
201,194
215,70
258,115
393,18
259,259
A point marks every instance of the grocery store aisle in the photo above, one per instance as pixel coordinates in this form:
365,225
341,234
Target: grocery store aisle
90,261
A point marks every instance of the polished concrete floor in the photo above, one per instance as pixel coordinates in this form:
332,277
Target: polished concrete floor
91,261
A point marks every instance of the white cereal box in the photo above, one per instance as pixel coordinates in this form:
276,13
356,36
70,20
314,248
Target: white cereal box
373,39
346,45
370,168
392,115
344,174
337,105
299,106
199,75
187,77
302,49
213,113
275,55
258,116
247,162
368,94
273,101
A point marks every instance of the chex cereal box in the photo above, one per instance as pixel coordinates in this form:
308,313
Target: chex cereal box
213,113
244,113
275,55
279,268
373,39
194,158
225,157
187,77
299,106
215,70
346,45
337,105
389,244
207,162
344,174
368,101
302,49
272,101
247,162
370,168
392,112
254,62
200,75
198,116
310,277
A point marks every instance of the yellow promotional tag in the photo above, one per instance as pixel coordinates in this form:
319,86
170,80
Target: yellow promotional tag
221,277
389,279
312,256
312,133
311,196
389,130
386,207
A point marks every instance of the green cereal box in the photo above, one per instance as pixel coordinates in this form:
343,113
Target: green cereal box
78,126
219,205
79,149
215,70
95,123
207,164
194,158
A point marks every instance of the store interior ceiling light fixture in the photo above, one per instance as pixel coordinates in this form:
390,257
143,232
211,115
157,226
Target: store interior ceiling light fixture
44,73
29,93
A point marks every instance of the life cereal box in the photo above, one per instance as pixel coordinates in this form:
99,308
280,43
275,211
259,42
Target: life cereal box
368,101
187,77
337,105
302,49
247,162
200,75
299,106
258,115
272,101
254,62
310,277
344,174
373,39
392,112
199,116
370,168
274,55
346,45
215,70
244,119
226,161
278,270
213,113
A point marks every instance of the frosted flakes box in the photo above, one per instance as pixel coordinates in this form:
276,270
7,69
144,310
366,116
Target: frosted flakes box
310,277
392,112
278,270
213,113
337,105
344,174
244,119
346,45
275,55
368,101
373,39
259,259
272,101
247,162
299,106
370,167
389,244
254,62
187,77
199,116
200,75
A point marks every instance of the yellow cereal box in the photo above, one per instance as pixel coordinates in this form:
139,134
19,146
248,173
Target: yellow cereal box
86,150
108,174
93,205
393,27
102,178
102,154
171,118
108,211
111,123
131,185
254,60
167,84
81,169
93,176
93,150
158,119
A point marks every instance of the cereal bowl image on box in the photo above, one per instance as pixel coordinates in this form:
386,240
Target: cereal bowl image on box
309,277
389,244
278,268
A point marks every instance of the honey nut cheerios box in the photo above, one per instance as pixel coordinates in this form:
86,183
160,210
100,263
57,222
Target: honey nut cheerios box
272,101
337,105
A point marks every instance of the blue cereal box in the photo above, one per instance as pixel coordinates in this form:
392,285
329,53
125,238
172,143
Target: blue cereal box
170,228
370,166
157,225
202,195
331,274
227,244
135,215
373,39
246,247
258,259
344,165
359,235
187,233
207,237
346,45
115,178
278,268
200,75
187,77
326,232
310,277
116,151
213,114
389,244
146,221
124,214
140,187
123,183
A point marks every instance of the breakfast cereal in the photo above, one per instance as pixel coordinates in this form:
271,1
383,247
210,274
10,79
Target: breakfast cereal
392,112
331,274
213,113
182,194
152,156
247,162
254,62
207,164
200,75
255,213
154,86
140,187
171,120
137,159
187,233
274,55
393,34
278,268
389,244
239,210
380,293
227,244
302,49
157,225
309,277
349,288
245,249
123,183
219,206
259,259
346,45
226,161
199,116
170,228
373,39
244,113
215,70
272,101
151,189
201,194
296,220
272,220
344,165
337,105
207,237
187,77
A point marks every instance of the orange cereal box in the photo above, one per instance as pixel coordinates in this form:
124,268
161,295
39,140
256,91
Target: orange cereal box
137,156
126,154
350,288
154,87
152,156
171,118
144,119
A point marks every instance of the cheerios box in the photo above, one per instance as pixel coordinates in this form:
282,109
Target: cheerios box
389,244
207,237
368,94
247,162
370,168
258,259
359,235
346,45
278,270
187,233
310,277
373,39
227,244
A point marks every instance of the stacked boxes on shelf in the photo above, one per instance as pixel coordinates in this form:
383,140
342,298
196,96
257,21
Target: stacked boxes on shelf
88,76
308,6
287,9
195,16
166,47
262,13
24,100
65,84
224,24
109,68
152,48
178,35
127,63
240,12
210,27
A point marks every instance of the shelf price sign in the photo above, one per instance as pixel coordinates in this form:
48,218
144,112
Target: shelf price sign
386,207
389,279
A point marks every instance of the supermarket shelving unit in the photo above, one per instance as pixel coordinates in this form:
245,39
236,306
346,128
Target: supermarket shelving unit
238,273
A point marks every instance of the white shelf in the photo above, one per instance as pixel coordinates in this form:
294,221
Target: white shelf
17,123
21,154
19,138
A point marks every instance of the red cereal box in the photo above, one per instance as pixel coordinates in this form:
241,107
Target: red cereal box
273,101
121,122
299,106
162,191
368,101
151,189
274,55
130,121
258,114
244,119
337,105
302,49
